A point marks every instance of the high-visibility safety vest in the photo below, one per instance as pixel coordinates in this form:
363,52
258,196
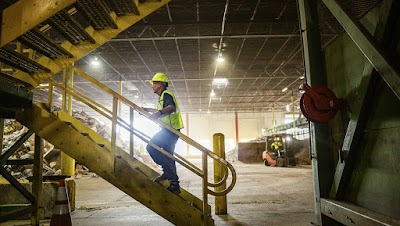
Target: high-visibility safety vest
174,119
276,145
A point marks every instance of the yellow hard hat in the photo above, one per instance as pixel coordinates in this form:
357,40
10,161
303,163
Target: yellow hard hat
160,77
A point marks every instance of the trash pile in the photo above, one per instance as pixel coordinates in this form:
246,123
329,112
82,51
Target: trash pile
13,131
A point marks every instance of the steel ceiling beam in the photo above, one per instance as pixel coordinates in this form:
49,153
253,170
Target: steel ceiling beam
212,37
199,79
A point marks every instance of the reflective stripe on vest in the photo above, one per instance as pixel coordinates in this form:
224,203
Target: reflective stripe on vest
174,119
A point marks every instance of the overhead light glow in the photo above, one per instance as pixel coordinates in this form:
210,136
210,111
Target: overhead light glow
288,108
220,59
208,112
95,61
220,81
301,77
212,94
284,89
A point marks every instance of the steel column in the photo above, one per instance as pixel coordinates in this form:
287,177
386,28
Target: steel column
321,154
187,134
237,127
386,66
1,132
37,183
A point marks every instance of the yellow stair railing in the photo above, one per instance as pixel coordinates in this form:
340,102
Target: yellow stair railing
112,115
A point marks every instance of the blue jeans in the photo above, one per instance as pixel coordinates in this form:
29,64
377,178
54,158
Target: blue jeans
166,140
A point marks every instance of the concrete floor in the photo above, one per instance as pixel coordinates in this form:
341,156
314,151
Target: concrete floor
262,196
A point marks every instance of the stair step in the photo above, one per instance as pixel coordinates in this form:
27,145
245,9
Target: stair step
70,28
20,61
35,39
97,13
123,7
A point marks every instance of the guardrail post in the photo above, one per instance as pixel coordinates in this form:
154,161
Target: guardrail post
205,189
219,149
131,135
114,130
67,163
50,97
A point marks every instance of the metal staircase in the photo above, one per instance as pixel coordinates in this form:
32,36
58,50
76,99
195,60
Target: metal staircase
115,165
126,173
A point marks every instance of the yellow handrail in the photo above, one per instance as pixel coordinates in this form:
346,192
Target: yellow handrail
117,120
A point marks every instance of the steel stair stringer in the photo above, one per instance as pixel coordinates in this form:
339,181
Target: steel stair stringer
128,174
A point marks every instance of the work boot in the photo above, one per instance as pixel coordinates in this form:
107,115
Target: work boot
174,189
161,178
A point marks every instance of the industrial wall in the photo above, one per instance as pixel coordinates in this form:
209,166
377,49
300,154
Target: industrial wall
202,126
375,180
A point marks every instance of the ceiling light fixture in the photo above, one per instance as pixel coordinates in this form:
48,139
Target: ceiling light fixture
220,59
288,108
284,89
212,94
95,61
220,81
301,77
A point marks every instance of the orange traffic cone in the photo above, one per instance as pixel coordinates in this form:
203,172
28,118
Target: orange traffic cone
61,212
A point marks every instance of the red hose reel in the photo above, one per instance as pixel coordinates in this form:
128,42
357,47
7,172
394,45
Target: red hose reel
319,104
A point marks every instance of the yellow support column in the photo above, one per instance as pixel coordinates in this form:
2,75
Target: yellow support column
219,149
273,118
68,163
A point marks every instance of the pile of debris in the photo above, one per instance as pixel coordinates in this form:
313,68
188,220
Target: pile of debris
13,131
232,155
92,123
